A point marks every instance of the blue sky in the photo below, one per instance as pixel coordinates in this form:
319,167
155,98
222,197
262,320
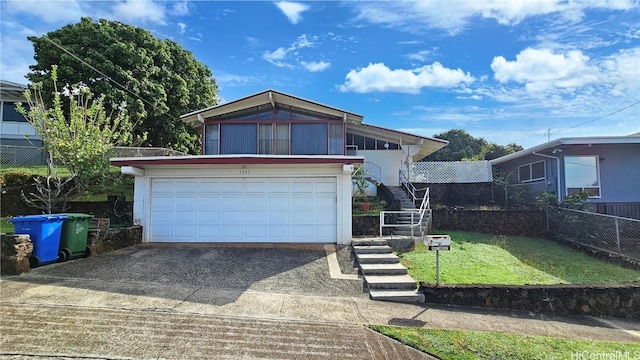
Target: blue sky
504,70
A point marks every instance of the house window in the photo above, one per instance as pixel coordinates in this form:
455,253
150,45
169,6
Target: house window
309,139
265,138
282,139
10,112
532,172
211,139
238,139
582,173
336,139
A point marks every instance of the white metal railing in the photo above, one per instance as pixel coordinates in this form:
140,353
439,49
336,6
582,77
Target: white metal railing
451,172
418,221
372,170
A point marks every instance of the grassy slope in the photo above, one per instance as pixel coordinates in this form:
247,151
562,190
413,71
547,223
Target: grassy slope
456,344
513,260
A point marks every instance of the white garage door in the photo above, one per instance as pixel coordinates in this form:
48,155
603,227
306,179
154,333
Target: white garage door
244,210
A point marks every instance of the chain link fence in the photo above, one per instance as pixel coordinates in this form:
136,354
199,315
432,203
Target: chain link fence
17,156
124,151
613,234
13,155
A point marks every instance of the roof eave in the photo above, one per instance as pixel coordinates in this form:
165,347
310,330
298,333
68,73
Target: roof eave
263,98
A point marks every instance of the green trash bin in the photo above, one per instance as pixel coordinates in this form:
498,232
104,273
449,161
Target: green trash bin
73,239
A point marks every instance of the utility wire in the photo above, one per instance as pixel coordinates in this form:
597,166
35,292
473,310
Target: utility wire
96,70
598,118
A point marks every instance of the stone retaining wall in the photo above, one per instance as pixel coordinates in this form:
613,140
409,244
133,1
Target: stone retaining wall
504,222
458,193
15,250
619,300
102,241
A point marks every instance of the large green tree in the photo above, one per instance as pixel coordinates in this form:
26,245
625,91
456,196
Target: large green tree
161,80
464,147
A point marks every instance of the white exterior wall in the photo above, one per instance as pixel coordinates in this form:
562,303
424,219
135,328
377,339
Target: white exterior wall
389,161
142,187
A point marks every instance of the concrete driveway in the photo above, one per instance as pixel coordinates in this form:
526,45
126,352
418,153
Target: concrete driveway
173,301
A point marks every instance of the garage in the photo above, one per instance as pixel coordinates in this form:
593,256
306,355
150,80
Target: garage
270,209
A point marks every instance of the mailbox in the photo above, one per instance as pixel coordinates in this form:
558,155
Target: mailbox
438,242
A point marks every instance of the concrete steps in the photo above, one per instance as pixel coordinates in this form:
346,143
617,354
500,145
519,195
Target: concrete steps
411,296
383,269
394,282
384,277
372,249
377,258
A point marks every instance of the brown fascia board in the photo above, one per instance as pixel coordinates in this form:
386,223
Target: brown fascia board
262,98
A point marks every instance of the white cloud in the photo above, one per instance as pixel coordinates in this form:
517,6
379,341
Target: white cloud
542,69
226,79
379,77
454,15
180,8
139,10
278,56
47,11
315,66
422,55
183,27
292,10
623,71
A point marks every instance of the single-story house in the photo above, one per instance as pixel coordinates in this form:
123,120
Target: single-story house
274,168
20,143
607,167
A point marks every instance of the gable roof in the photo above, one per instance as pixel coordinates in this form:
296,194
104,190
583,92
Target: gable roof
10,91
268,97
630,139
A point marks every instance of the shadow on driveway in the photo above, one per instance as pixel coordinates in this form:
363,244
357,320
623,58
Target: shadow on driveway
204,271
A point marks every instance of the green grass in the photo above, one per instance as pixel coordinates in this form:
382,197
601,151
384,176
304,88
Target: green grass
5,226
41,170
511,260
456,344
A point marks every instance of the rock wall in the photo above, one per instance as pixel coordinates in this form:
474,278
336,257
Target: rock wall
504,222
101,241
15,250
458,194
619,300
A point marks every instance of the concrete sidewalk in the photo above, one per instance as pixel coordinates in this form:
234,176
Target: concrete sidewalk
109,314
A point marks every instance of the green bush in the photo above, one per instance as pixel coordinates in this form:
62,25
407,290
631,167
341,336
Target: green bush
16,178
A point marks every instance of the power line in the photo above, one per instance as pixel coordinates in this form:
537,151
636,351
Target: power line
598,118
96,70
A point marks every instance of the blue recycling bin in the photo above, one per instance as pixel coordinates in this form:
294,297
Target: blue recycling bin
44,231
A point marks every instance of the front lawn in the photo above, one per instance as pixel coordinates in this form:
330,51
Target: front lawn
511,260
457,344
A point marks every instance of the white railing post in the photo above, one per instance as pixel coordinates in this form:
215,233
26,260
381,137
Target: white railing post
381,223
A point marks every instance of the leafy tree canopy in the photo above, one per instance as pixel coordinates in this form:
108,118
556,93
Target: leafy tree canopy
464,147
167,79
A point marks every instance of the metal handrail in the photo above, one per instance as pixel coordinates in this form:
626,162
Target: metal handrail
425,208
411,189
373,171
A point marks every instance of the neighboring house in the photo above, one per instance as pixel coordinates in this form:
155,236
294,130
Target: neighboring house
274,168
607,167
18,138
